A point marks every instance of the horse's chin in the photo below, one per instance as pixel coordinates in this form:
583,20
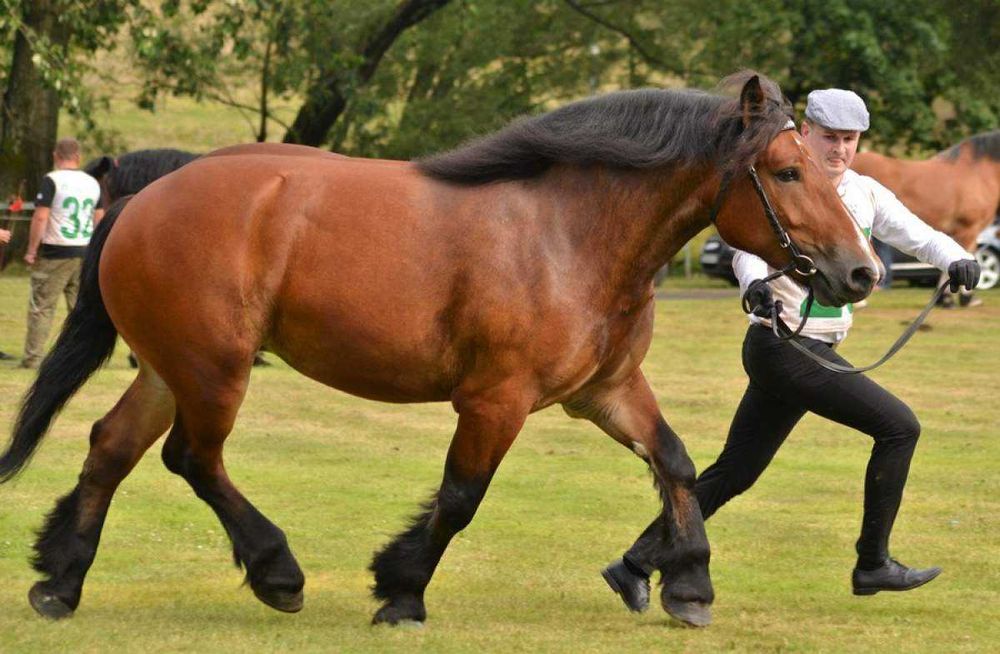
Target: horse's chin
831,295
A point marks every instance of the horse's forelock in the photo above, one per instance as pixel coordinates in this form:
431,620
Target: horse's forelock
740,145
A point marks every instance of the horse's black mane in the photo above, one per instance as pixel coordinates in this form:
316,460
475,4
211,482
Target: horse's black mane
986,145
132,172
628,129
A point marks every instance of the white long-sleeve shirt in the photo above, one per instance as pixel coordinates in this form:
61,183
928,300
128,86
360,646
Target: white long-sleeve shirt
880,214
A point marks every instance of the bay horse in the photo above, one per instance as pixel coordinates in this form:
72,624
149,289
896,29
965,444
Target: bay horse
526,261
956,191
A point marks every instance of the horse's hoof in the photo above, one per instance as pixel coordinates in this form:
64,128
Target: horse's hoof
281,600
48,605
695,614
401,613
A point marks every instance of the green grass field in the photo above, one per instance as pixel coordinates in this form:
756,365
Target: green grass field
341,475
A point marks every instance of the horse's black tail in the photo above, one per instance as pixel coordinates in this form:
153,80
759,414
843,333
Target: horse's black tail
86,341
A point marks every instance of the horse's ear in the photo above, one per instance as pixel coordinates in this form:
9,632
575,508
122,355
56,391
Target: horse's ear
751,99
99,167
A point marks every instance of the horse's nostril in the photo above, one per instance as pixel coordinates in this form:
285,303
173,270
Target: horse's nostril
864,277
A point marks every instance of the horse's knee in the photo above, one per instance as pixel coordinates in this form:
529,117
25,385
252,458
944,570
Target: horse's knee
679,470
672,459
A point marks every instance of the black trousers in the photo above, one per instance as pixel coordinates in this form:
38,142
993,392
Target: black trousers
784,384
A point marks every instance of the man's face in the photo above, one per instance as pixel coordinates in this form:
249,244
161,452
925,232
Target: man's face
833,148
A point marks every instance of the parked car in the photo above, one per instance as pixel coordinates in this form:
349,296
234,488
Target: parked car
988,254
717,261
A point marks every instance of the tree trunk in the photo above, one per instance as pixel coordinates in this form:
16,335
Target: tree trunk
326,100
29,116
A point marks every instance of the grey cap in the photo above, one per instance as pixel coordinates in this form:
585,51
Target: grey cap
837,109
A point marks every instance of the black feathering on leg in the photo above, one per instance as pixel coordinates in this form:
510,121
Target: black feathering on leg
63,553
57,542
406,564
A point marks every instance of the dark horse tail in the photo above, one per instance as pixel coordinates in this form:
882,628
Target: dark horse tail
86,341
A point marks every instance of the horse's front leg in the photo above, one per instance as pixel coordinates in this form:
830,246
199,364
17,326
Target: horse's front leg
627,411
488,422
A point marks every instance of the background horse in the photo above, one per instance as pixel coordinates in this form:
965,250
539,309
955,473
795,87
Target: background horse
131,172
957,191
527,260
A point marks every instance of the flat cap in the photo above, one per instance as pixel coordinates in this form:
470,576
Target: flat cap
837,109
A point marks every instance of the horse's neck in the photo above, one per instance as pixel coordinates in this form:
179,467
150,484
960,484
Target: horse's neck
628,224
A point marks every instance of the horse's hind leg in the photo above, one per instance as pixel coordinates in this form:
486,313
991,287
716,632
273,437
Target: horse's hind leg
68,542
487,425
629,414
193,450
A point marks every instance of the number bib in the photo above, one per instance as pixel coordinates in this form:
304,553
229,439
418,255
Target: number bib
71,217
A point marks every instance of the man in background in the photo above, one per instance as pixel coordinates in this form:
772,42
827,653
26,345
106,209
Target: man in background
66,210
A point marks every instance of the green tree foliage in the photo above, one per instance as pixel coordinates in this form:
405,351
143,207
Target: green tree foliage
44,57
906,59
478,64
400,78
471,69
311,49
927,69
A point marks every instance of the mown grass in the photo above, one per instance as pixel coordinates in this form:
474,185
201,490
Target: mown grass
341,475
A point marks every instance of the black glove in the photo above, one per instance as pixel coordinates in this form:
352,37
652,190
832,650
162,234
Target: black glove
759,298
964,272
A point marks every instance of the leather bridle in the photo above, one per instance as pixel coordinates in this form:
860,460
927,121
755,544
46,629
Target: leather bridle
804,266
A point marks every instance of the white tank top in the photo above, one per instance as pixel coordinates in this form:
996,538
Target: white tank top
71,217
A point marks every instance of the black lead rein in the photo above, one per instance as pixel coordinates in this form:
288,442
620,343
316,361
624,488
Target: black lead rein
805,266
778,326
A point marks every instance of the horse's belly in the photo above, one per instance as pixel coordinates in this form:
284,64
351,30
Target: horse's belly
388,358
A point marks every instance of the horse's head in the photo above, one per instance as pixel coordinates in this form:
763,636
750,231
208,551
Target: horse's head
99,169
805,204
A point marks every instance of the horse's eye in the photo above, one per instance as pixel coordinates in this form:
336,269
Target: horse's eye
788,175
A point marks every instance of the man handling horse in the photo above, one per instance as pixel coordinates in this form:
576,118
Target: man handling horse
784,383
66,210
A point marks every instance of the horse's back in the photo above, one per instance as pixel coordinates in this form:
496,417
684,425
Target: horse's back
957,194
932,189
309,257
